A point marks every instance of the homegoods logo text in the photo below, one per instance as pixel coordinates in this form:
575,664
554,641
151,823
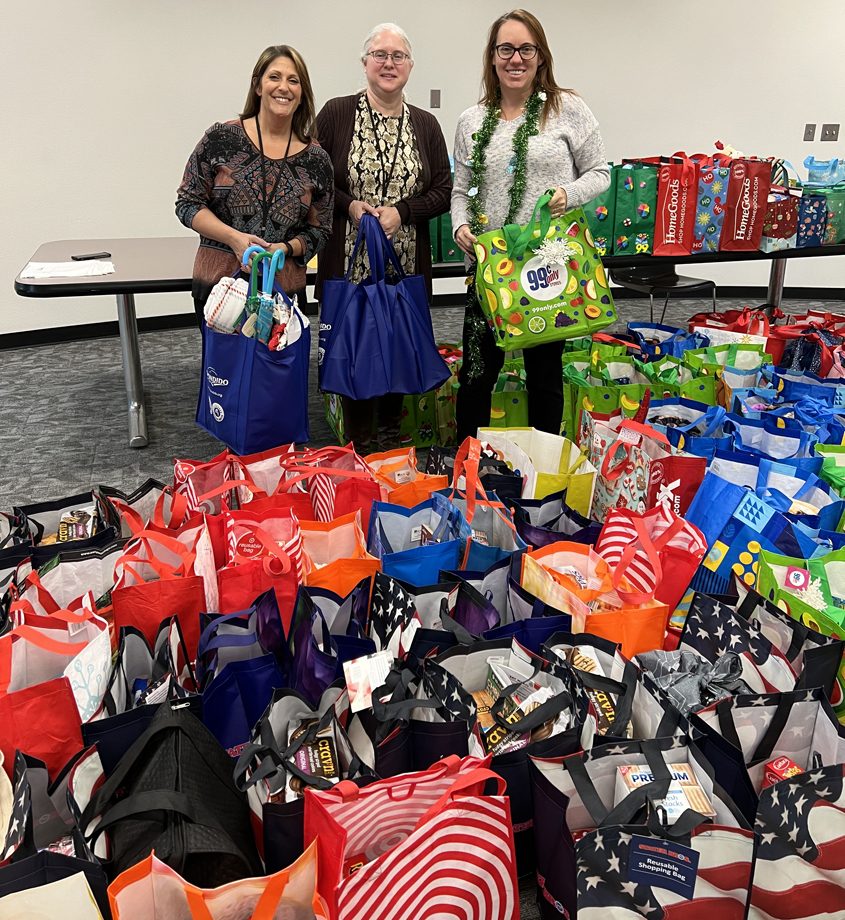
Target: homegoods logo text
671,235
747,208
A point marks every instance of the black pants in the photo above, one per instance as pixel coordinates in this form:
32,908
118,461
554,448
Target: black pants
543,376
373,424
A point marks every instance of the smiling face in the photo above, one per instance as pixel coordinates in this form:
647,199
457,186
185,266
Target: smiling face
280,89
390,77
514,74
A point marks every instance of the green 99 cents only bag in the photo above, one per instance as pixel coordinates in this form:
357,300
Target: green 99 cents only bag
542,281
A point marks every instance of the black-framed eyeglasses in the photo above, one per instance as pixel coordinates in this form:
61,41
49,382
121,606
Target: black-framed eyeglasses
398,57
526,52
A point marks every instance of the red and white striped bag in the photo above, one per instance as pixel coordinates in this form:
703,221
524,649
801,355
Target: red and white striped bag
427,844
656,552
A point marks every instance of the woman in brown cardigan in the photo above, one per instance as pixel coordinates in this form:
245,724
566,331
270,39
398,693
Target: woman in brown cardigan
389,160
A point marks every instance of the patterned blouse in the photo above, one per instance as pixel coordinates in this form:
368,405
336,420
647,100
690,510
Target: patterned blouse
369,172
224,175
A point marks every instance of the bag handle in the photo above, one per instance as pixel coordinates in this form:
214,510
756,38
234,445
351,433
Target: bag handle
712,419
520,239
462,783
652,548
270,268
265,909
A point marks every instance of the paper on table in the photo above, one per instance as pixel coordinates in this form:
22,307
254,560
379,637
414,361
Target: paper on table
87,269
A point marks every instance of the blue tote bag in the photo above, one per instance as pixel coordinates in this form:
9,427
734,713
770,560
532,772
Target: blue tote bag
252,398
376,337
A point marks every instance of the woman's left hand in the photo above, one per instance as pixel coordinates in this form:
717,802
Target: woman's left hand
558,203
389,219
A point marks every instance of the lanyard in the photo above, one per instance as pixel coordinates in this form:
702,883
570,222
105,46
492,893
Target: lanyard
386,176
266,197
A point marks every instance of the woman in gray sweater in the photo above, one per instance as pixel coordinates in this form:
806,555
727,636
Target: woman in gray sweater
536,136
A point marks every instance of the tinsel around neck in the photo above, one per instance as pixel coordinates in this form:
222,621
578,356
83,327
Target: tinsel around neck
478,162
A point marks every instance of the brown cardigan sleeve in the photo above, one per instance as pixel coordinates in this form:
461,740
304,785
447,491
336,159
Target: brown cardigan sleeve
437,175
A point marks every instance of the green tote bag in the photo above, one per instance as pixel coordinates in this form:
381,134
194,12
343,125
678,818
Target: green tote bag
542,281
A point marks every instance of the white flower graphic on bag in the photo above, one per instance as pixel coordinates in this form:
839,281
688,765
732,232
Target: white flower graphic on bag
555,252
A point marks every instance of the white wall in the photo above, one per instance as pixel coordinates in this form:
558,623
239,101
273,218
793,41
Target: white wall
103,101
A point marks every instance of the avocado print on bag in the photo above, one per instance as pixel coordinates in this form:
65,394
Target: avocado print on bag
542,281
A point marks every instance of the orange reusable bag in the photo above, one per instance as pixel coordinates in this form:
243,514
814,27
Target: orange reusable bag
397,471
617,612
151,890
336,554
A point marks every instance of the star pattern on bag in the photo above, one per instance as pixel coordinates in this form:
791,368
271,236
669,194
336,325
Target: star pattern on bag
602,876
709,622
783,815
21,809
456,703
391,609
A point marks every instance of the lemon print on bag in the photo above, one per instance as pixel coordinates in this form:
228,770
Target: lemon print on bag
487,274
506,297
572,285
514,330
536,324
491,301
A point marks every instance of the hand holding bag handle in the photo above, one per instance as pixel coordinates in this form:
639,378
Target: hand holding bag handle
521,239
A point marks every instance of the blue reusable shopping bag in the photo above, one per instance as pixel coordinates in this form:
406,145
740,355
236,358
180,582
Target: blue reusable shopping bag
252,398
658,341
376,337
703,430
398,537
235,700
245,634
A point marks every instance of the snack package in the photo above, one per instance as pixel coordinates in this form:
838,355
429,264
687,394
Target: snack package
684,791
316,757
779,769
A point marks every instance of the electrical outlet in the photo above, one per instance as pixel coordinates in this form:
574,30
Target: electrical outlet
830,133
809,132
435,99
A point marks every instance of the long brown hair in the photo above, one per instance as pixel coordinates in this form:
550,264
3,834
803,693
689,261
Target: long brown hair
545,79
303,117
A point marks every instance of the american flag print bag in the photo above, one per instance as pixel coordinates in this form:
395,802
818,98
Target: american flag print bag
416,847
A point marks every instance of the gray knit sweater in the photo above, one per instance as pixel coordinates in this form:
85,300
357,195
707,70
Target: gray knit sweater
568,153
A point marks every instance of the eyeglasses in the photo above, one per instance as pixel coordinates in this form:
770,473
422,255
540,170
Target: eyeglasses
526,52
380,57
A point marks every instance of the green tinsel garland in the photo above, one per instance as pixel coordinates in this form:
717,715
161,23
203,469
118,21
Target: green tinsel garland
478,163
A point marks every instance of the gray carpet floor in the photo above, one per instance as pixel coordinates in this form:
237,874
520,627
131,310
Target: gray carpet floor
63,425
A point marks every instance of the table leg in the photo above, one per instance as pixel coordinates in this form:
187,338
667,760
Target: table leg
131,355
777,273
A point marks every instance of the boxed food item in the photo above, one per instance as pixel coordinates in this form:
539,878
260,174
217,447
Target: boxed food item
684,790
779,769
317,756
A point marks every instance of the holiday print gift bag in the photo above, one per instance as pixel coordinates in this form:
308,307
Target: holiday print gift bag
710,207
542,281
636,203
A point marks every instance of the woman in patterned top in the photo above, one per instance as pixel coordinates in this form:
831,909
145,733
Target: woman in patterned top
564,152
390,160
260,179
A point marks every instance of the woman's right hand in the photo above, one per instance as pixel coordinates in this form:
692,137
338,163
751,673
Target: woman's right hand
466,239
358,208
240,242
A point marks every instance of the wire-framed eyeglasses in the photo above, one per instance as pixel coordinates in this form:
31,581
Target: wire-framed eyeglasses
398,57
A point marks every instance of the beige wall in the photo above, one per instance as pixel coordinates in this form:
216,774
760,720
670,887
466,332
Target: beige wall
103,101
